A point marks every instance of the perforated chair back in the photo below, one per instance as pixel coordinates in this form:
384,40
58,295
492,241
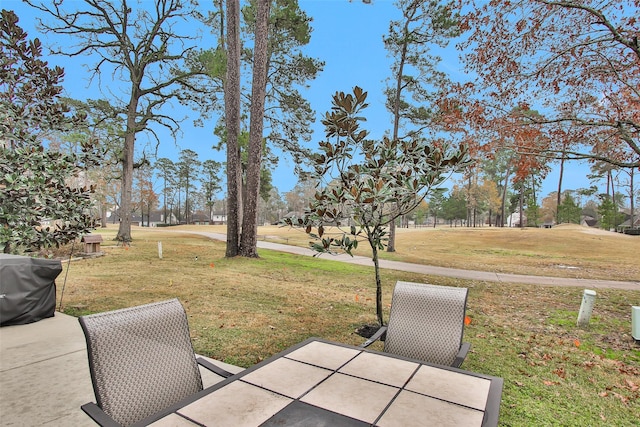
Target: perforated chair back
141,359
426,322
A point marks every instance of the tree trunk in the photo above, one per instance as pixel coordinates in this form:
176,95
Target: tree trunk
124,230
376,266
615,204
232,119
164,196
558,198
504,197
469,201
103,215
521,204
249,241
631,191
535,200
391,243
179,216
186,200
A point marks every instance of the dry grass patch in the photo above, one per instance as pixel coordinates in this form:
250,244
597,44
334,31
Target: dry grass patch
563,251
241,310
556,373
244,310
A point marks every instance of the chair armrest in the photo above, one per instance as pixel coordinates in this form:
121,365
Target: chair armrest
462,354
379,335
213,368
98,415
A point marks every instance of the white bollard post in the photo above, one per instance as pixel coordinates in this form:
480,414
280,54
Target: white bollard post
588,299
159,249
635,323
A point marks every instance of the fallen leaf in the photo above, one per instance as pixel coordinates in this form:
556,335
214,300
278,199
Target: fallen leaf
631,385
545,382
603,394
560,372
576,343
467,320
624,399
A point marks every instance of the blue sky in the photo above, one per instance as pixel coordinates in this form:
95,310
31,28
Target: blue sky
347,36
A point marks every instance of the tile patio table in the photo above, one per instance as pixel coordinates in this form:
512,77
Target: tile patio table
322,383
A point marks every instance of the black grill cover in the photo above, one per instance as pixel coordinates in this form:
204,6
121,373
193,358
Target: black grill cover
27,289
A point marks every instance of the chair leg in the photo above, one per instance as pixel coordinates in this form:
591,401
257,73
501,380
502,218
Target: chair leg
98,415
379,335
462,354
213,368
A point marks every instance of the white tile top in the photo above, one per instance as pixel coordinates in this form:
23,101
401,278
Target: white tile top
451,386
288,377
237,404
383,369
324,355
352,397
415,410
346,386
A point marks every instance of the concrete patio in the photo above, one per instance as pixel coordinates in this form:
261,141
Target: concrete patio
44,374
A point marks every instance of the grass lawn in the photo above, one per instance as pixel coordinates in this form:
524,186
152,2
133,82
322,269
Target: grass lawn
244,310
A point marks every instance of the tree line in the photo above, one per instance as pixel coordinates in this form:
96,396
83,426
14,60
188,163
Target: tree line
552,82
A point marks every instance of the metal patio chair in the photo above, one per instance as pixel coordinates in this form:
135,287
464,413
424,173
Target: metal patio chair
141,361
426,323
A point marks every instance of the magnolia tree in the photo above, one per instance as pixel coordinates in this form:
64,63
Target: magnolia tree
44,198
364,185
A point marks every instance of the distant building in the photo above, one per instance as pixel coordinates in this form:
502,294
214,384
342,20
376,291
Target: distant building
515,218
589,221
157,218
627,219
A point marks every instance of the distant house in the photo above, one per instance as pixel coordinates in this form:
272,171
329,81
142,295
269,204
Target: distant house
202,218
219,218
515,218
156,217
627,219
199,218
588,221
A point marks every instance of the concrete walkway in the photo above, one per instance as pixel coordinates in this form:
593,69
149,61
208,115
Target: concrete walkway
44,374
445,272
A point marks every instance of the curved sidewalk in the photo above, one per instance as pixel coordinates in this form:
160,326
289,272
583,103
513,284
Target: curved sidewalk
445,272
